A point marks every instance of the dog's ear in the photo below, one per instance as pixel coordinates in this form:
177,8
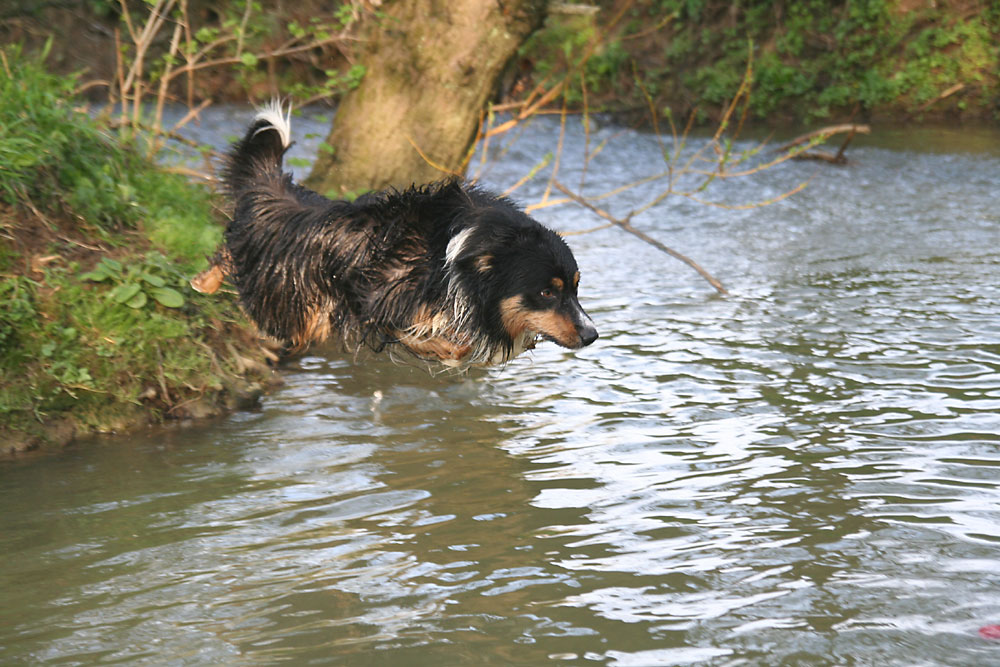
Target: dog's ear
471,247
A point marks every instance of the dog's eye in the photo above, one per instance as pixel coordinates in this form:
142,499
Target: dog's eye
547,293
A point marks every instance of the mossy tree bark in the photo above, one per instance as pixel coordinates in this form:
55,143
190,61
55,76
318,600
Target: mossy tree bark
431,67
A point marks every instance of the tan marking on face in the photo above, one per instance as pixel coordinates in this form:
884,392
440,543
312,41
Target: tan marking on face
555,326
484,263
517,319
558,284
576,280
513,316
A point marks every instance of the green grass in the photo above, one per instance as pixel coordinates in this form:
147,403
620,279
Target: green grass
97,321
46,158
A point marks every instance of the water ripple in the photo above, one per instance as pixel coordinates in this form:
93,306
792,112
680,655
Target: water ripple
805,471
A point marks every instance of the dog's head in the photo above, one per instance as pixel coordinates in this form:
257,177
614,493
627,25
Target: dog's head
523,277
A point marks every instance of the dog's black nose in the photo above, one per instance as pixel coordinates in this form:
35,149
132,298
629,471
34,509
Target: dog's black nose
588,335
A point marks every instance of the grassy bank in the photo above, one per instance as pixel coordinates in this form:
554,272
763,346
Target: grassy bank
99,330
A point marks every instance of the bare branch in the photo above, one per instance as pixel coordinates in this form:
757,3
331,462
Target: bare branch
442,169
819,136
824,133
947,93
627,226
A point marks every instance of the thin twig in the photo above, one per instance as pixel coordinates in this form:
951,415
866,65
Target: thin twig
192,113
169,134
586,131
947,93
581,232
161,95
839,157
232,60
243,28
161,376
530,175
558,155
429,161
627,226
188,50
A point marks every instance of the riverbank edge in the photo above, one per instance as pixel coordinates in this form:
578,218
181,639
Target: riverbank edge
218,364
212,364
100,331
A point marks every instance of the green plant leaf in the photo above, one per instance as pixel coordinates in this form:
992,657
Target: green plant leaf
155,281
137,301
123,293
167,296
106,268
113,264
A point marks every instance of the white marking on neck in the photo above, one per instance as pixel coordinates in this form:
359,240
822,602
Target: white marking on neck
456,246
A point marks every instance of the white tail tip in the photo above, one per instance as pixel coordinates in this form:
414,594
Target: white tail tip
278,119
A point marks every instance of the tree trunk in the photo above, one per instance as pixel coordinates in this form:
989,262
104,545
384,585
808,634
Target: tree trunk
431,67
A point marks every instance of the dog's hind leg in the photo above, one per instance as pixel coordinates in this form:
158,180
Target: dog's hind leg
209,280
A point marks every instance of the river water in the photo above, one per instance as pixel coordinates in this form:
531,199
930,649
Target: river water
803,472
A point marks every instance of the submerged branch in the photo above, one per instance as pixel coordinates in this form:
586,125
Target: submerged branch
821,135
825,132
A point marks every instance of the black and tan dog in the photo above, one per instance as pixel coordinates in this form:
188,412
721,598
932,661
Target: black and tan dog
448,271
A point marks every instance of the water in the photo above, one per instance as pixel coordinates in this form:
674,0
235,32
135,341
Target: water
804,472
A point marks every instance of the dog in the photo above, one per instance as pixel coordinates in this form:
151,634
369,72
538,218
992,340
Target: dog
448,272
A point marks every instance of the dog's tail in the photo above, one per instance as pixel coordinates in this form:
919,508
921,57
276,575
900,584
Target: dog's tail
260,150
257,154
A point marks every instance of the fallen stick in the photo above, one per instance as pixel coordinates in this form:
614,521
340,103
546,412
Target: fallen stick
828,131
825,133
947,93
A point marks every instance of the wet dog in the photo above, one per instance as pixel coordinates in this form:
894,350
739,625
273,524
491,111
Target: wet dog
448,272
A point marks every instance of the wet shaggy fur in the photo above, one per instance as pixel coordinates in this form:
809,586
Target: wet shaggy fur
447,271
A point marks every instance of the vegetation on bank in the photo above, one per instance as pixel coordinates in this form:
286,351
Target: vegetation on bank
98,327
811,61
815,60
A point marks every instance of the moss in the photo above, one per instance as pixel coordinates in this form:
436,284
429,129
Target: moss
98,327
